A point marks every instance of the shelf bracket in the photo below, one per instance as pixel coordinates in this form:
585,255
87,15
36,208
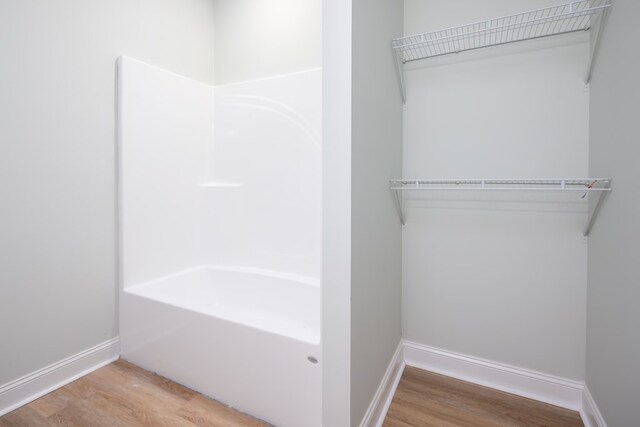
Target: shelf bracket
398,199
400,72
593,214
595,43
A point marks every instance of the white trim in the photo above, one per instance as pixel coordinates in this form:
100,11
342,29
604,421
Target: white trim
522,382
590,414
379,406
36,384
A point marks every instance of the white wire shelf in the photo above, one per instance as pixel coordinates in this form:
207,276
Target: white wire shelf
579,184
550,21
600,186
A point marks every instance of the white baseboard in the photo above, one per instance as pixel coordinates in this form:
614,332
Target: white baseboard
522,382
36,384
379,406
591,416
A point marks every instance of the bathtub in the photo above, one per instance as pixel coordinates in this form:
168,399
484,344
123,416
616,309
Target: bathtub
246,337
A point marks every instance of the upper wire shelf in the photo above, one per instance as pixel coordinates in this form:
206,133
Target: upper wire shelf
578,184
562,19
550,21
600,186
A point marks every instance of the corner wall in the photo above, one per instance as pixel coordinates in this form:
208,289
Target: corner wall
57,234
376,156
336,212
256,38
613,337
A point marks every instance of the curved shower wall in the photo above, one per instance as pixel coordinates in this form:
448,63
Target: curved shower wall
220,204
267,138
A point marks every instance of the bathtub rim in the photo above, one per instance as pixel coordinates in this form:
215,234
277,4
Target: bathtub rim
314,338
255,271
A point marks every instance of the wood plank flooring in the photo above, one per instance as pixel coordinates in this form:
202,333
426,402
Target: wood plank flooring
426,399
124,395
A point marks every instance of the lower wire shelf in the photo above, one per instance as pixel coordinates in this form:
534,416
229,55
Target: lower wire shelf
599,186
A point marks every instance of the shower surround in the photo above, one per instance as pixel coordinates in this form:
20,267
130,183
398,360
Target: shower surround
220,222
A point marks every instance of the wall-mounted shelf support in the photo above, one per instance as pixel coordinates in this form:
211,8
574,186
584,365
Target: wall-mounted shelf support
597,26
599,186
397,195
550,21
400,72
593,215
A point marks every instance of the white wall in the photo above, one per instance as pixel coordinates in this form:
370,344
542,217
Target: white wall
498,276
257,38
613,337
336,212
57,113
376,156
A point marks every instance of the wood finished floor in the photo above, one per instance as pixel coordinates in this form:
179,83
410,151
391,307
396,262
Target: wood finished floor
122,394
426,399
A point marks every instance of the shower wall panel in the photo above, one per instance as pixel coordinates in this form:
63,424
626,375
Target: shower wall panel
165,128
267,138
225,176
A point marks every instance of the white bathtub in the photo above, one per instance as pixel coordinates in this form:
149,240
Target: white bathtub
246,337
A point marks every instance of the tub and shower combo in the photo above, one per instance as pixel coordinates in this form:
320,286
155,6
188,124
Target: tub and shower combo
219,211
